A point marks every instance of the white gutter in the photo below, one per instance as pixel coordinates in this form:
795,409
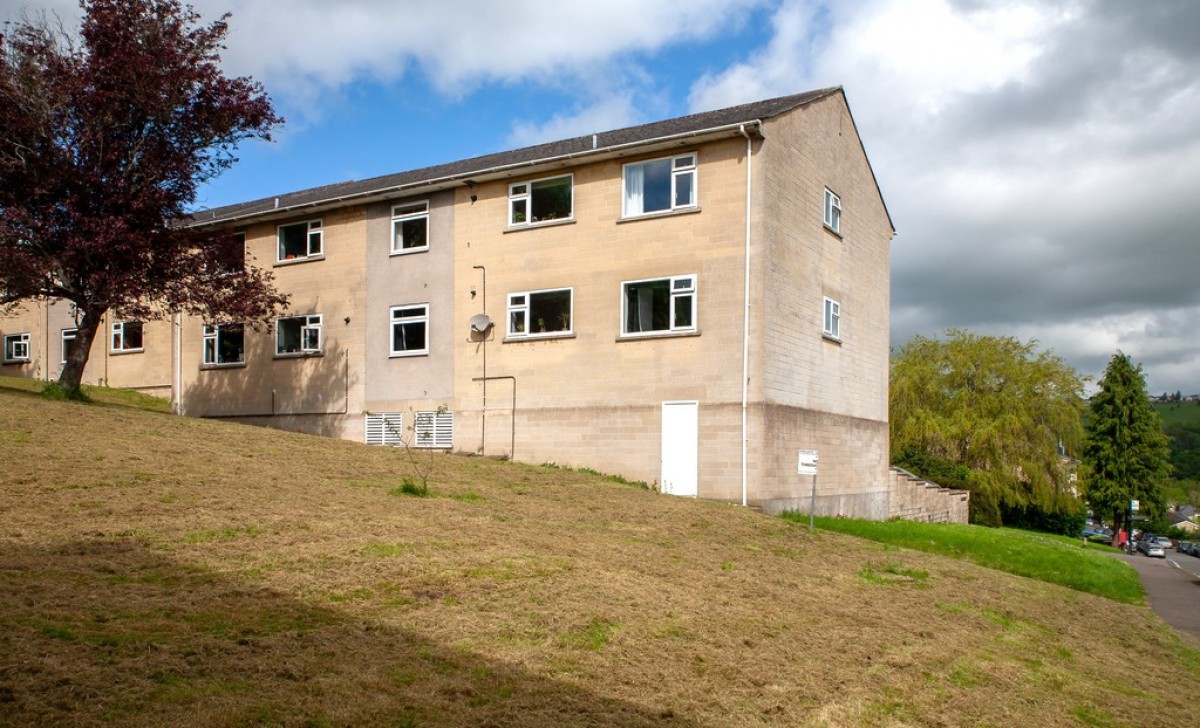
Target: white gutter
746,317
462,177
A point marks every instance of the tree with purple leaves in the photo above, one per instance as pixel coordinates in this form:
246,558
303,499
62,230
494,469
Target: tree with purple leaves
104,141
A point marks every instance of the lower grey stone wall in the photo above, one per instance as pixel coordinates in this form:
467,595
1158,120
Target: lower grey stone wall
914,499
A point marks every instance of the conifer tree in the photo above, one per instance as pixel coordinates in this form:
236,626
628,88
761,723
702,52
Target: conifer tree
1126,452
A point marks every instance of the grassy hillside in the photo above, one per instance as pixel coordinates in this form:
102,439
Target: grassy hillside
165,571
1179,414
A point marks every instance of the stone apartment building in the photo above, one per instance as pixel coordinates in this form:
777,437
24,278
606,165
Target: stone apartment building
689,302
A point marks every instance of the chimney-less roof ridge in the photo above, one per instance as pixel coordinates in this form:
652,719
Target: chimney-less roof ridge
699,121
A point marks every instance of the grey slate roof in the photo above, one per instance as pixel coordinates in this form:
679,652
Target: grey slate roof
463,169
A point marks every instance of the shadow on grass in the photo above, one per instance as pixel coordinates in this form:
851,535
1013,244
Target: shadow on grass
107,631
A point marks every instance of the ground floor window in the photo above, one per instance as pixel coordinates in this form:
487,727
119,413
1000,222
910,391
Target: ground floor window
659,305
16,347
833,319
68,342
410,330
298,335
127,336
224,344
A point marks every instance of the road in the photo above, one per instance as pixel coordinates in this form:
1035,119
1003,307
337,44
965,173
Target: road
1172,587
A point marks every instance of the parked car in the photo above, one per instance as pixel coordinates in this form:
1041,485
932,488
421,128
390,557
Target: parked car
1163,541
1150,547
1099,534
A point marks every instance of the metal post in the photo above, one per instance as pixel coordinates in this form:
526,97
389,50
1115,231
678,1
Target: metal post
812,508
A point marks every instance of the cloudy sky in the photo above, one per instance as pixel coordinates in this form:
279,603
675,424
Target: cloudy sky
1041,159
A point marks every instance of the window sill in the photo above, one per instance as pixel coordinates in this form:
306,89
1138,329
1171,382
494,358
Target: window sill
832,339
658,335
299,355
218,367
297,261
834,233
407,354
409,251
16,362
122,352
537,225
536,337
659,214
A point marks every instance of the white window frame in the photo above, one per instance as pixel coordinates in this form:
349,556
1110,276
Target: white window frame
433,430
409,212
519,304
682,165
404,315
678,287
312,336
68,335
16,348
521,193
832,321
315,241
212,334
833,211
117,339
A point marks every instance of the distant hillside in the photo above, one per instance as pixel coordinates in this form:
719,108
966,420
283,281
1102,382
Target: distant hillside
1183,414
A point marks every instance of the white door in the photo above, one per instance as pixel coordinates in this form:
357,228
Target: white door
680,447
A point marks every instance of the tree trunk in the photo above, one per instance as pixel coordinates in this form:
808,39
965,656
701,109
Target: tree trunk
71,377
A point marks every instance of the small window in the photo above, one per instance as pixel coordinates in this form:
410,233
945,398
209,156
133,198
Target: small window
300,240
410,330
68,342
410,228
833,318
127,336
231,253
660,305
659,185
16,347
539,313
298,335
224,345
833,211
541,201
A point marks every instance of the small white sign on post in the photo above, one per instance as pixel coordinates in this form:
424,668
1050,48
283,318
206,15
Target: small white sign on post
1133,506
808,462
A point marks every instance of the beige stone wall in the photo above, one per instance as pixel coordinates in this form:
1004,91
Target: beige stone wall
320,394
30,318
913,499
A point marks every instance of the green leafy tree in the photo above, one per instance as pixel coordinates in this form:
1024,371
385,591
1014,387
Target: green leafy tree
1127,454
994,415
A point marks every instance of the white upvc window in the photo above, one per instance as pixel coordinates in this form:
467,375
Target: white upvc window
224,345
541,201
300,240
833,319
658,305
298,335
833,211
434,430
410,228
410,330
127,336
659,185
68,342
540,313
16,347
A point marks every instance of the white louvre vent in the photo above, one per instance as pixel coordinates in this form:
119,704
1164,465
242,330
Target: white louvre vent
385,428
434,430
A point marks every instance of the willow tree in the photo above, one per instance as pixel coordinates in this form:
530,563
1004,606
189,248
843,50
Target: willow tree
993,413
1127,454
104,142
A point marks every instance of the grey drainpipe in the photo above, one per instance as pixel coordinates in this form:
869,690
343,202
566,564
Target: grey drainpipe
746,319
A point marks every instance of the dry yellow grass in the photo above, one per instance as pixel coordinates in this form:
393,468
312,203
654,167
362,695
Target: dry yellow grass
165,571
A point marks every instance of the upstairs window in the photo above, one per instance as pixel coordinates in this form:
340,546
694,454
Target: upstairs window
127,336
659,185
16,347
300,240
540,201
224,345
833,211
410,330
298,335
539,313
410,228
231,253
833,319
659,305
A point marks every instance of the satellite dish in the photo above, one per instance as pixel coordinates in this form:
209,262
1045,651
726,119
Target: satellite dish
480,323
